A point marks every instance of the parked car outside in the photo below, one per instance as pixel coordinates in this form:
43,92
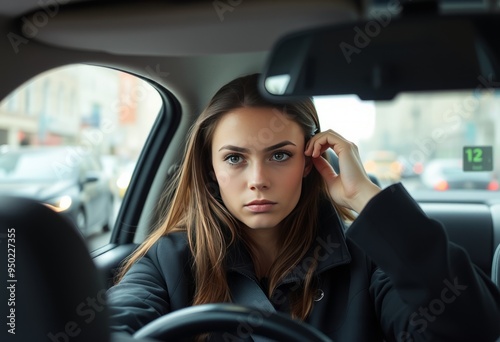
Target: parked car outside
110,166
384,165
68,180
448,174
409,170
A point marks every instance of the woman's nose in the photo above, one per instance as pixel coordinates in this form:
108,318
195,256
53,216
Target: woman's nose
259,178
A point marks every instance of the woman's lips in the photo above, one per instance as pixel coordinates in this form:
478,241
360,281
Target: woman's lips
260,206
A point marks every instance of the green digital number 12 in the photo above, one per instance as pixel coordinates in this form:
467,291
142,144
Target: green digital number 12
474,155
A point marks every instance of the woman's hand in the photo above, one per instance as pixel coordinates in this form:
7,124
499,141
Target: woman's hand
351,188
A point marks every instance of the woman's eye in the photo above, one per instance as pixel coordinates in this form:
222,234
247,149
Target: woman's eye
233,159
280,156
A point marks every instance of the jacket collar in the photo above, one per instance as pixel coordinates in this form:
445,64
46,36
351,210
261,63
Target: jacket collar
329,248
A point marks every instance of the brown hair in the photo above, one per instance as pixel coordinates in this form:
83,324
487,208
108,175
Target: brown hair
196,208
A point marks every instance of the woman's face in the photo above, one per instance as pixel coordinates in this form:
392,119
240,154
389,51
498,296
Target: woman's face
259,163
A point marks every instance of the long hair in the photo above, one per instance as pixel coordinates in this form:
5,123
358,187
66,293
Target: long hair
196,207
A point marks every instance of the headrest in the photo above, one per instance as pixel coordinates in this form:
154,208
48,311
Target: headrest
51,289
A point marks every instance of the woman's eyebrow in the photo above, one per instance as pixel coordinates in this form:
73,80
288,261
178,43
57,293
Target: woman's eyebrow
278,145
246,150
234,148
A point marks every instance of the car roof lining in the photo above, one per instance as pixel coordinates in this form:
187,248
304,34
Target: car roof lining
173,29
94,35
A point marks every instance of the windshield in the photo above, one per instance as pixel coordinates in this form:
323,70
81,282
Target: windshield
422,139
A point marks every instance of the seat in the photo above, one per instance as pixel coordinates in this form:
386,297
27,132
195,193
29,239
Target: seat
469,225
51,288
495,267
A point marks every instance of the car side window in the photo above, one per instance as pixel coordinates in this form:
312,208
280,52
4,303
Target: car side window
70,138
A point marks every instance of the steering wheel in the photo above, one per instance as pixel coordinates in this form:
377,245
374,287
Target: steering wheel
237,320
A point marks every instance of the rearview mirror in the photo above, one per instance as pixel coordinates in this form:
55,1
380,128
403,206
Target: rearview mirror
377,59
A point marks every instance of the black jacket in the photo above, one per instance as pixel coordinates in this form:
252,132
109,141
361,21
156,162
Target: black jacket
393,276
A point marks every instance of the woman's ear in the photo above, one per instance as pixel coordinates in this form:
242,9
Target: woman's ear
308,166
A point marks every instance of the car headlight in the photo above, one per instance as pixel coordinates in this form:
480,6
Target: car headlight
59,204
123,181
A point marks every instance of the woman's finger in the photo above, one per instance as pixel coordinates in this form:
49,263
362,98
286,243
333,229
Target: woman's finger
322,141
325,169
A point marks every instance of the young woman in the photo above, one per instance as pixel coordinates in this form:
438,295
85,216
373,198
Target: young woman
256,197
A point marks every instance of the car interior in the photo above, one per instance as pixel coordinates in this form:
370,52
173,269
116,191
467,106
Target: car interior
186,50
